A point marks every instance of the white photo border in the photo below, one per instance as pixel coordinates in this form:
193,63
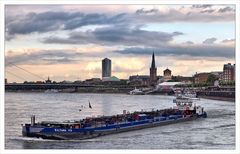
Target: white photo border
3,3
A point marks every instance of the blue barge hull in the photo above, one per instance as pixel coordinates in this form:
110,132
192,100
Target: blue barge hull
91,132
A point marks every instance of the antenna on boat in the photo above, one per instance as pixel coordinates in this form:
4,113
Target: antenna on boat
32,120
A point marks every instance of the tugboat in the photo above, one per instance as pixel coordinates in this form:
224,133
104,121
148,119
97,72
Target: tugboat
185,110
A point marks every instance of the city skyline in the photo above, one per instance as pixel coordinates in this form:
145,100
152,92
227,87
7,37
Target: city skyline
185,38
106,72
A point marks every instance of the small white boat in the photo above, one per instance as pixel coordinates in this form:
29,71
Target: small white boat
186,93
136,92
190,94
51,91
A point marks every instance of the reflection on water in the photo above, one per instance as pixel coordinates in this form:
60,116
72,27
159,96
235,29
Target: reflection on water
215,132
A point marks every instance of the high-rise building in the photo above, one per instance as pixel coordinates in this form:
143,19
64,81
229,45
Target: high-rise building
153,71
228,72
106,67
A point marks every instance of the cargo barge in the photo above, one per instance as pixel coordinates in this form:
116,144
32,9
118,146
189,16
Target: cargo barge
184,110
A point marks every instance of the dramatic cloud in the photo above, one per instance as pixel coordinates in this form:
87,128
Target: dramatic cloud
51,21
47,21
209,40
177,50
185,15
43,57
117,35
226,9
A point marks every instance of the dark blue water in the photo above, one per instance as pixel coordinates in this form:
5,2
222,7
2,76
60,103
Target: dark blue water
215,132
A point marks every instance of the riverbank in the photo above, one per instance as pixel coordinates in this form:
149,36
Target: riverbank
218,98
115,92
217,95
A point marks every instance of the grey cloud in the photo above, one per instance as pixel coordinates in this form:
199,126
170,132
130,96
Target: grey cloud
209,40
117,35
44,57
202,6
176,50
9,37
189,42
174,15
58,60
51,21
226,9
228,40
73,38
208,11
32,22
142,11
132,36
177,33
95,19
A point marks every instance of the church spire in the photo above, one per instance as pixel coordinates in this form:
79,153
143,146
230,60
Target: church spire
153,61
153,71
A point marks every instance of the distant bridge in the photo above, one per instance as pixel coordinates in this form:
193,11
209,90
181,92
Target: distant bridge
62,86
27,86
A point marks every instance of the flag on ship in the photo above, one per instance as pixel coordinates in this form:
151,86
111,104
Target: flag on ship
89,105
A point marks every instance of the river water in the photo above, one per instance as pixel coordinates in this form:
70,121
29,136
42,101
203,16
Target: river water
215,132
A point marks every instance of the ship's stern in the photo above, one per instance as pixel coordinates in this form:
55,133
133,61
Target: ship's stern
25,130
31,131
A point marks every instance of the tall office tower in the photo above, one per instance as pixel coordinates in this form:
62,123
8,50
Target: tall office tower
106,67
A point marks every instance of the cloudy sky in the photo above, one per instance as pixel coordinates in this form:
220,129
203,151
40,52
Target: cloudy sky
68,42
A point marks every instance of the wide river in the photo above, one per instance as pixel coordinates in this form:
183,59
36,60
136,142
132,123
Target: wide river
215,132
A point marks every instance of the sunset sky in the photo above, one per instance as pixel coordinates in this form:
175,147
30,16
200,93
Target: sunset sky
68,42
